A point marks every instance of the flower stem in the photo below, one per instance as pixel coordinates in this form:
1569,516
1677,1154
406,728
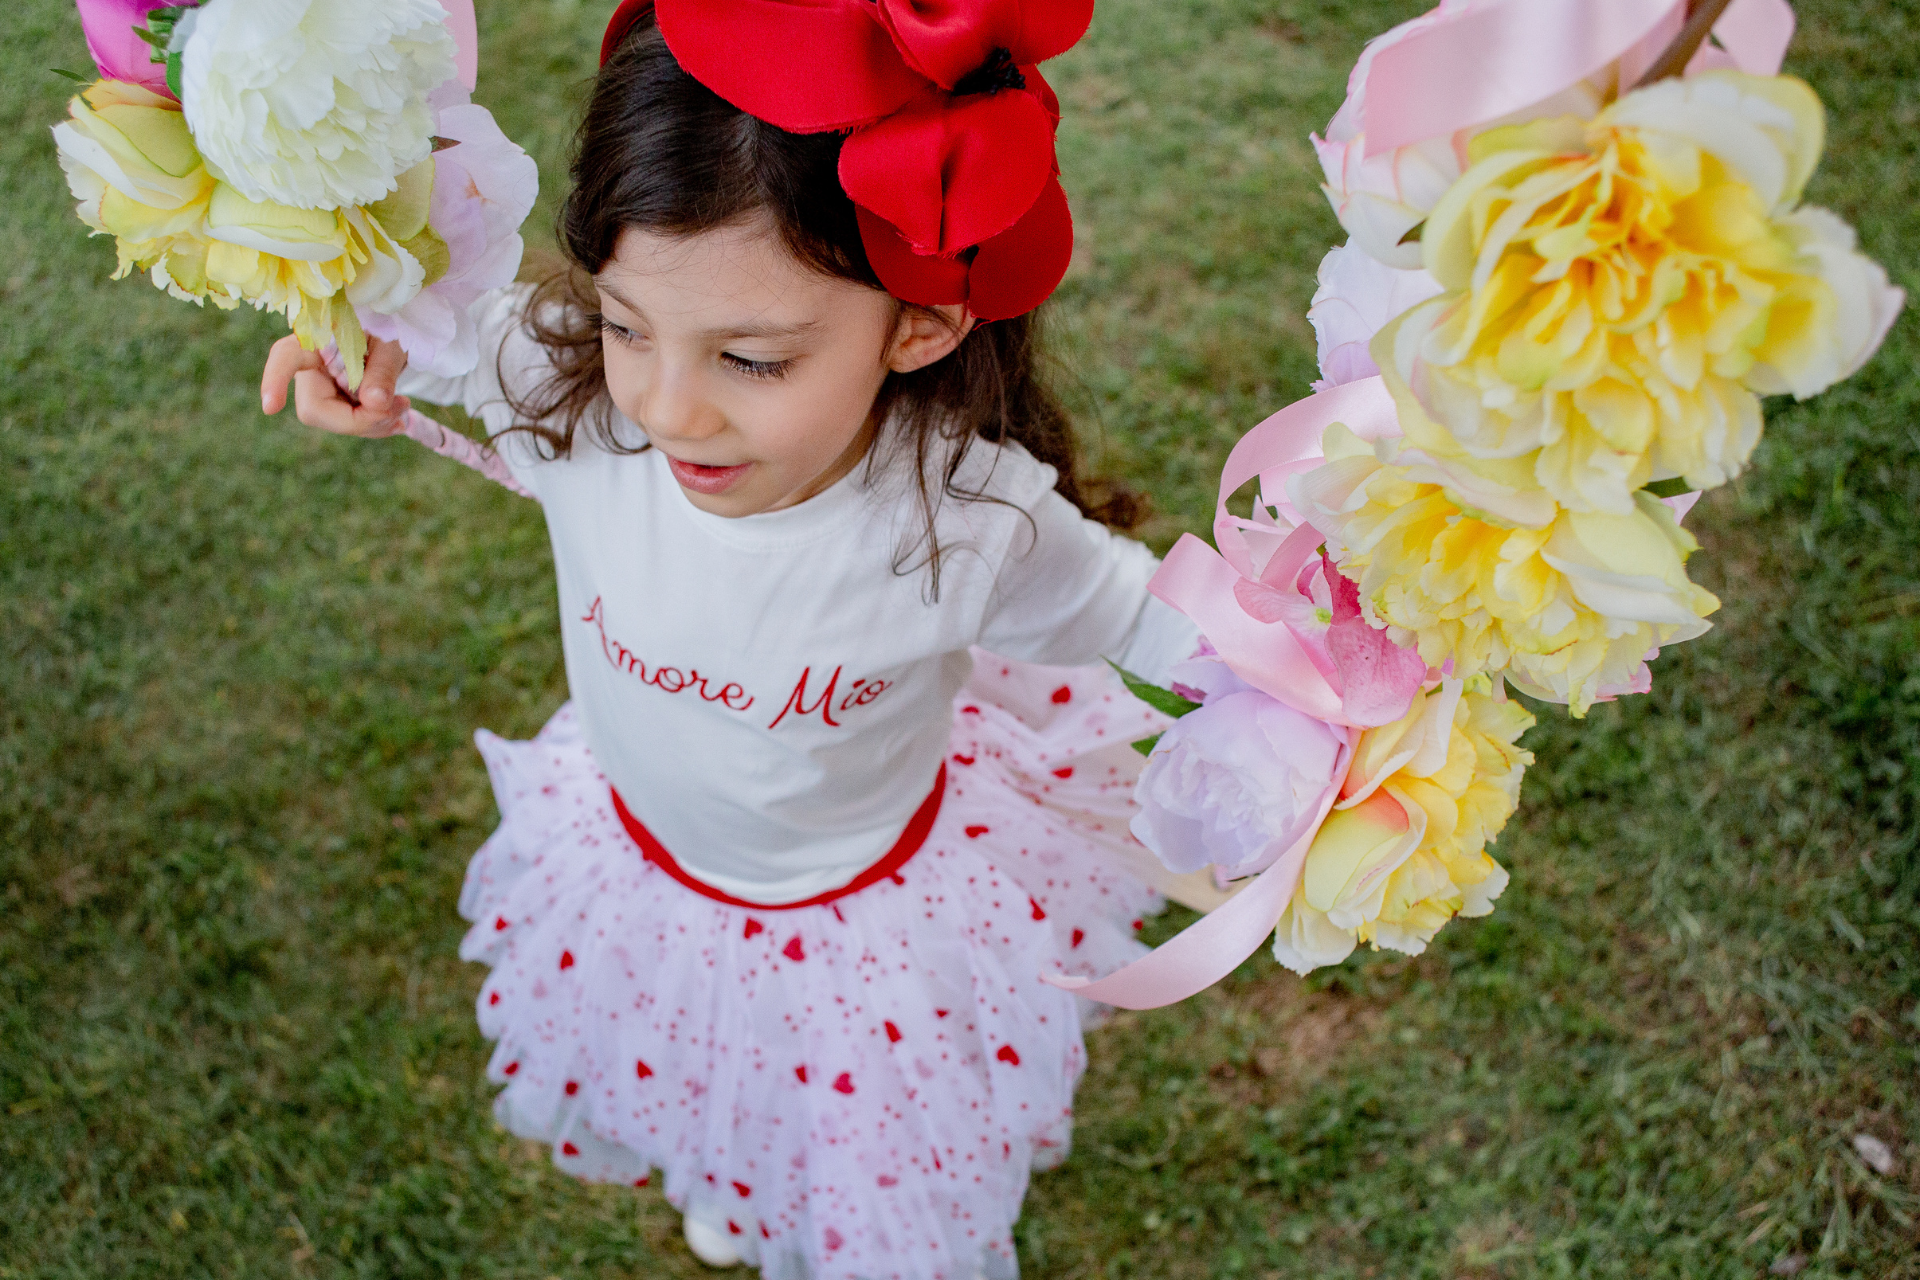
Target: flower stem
1701,15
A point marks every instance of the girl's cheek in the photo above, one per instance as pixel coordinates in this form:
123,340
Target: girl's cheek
776,440
626,379
798,438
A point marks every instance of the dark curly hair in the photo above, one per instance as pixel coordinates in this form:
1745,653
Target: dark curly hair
660,151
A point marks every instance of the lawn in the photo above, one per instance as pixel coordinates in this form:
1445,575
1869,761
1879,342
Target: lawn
240,663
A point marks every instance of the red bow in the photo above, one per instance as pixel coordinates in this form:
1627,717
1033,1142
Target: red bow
952,127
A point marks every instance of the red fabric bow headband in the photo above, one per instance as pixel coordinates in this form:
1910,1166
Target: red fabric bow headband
951,143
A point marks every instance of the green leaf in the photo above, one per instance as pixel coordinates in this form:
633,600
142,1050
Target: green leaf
159,33
403,211
74,76
1165,701
1669,488
1145,745
352,341
175,77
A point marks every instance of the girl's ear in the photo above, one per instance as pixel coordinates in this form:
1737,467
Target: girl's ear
926,334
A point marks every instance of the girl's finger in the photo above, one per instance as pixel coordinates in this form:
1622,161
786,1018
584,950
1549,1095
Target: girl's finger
385,362
321,403
284,360
318,402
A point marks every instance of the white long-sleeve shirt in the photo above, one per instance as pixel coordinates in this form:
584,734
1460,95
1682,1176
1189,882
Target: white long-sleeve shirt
767,694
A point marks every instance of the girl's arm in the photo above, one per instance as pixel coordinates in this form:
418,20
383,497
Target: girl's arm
321,399
1072,591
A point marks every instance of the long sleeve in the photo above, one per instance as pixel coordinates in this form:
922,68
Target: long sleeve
497,316
1072,591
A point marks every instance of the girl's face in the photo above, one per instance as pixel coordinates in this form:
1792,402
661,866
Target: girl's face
755,375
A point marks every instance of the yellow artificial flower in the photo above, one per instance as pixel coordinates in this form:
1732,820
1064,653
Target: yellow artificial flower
1568,611
131,163
1621,290
312,266
1405,851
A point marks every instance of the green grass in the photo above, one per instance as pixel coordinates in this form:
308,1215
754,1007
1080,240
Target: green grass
240,662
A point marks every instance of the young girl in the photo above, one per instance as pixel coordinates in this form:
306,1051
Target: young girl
770,898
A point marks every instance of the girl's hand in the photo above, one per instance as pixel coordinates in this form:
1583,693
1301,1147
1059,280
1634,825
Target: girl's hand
321,402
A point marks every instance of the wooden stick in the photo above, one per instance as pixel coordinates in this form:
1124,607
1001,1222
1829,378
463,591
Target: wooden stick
1701,15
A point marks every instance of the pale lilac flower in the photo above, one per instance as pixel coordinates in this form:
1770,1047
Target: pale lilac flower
483,190
1236,782
1357,296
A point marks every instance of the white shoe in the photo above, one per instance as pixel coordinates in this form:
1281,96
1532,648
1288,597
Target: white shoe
709,1243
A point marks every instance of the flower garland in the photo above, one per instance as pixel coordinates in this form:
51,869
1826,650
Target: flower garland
319,160
1589,296
1569,279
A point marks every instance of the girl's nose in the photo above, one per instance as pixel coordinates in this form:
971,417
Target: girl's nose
675,408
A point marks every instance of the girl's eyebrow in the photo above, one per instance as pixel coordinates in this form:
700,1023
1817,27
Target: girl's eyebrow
763,330
724,332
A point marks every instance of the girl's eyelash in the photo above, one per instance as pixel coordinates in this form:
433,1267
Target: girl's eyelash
757,368
740,364
619,332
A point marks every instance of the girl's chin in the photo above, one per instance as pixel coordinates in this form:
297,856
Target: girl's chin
710,481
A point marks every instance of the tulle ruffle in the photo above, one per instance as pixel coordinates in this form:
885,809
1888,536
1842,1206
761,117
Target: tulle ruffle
858,1089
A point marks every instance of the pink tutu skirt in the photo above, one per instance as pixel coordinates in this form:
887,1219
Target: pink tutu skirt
857,1090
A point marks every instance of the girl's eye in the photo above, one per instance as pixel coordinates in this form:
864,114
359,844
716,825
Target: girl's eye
619,333
756,368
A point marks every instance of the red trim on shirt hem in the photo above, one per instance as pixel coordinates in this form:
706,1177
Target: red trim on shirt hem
889,865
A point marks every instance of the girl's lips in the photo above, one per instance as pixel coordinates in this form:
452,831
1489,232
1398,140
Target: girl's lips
692,475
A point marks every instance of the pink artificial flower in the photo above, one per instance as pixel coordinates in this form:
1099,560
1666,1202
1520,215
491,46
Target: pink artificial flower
1267,598
1203,688
1377,678
1205,676
116,50
483,190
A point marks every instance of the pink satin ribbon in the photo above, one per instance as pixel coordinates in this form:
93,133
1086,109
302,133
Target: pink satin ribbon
1756,33
1497,58
464,450
1214,945
1197,580
1288,443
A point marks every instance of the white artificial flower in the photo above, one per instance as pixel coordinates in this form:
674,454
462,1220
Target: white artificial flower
313,105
